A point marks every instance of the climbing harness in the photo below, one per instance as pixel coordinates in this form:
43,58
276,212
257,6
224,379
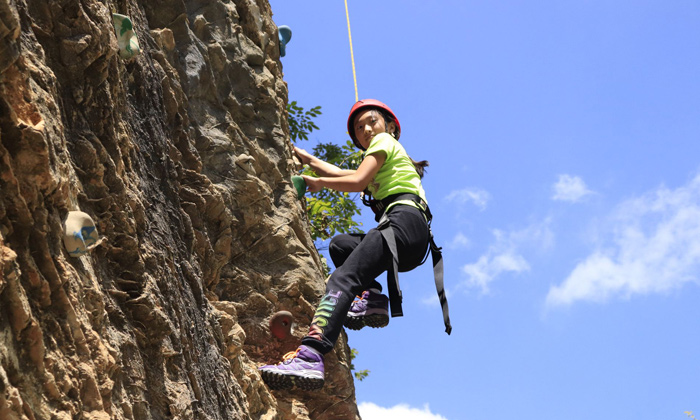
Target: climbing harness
395,298
352,56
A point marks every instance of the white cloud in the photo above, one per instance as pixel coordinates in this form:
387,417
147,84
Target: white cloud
459,241
371,411
570,188
652,246
504,255
477,196
490,266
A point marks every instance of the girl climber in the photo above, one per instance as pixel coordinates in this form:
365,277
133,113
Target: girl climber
399,243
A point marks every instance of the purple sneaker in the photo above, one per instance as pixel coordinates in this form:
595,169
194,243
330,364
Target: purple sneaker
302,368
371,309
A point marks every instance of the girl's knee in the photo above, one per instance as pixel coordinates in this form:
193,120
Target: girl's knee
336,244
340,248
341,241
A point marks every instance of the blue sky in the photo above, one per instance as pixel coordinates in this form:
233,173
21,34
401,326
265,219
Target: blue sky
564,149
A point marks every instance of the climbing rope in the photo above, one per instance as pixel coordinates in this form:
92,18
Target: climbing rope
352,56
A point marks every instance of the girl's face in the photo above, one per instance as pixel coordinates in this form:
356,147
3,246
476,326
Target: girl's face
368,124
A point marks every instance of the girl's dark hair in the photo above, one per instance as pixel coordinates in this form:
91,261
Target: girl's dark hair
388,118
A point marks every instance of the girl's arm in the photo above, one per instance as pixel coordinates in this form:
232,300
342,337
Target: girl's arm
355,182
319,166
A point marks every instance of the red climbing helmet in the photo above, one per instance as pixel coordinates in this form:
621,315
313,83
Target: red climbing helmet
363,105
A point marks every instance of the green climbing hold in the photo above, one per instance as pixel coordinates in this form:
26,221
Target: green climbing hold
300,185
126,38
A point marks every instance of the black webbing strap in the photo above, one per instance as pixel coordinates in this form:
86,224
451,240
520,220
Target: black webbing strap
395,297
438,271
392,276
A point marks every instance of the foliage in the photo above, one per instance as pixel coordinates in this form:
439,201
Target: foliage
690,414
360,374
300,123
330,212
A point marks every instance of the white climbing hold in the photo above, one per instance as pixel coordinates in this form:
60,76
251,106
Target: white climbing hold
80,234
245,162
126,38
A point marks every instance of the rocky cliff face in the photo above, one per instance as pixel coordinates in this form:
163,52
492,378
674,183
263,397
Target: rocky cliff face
181,157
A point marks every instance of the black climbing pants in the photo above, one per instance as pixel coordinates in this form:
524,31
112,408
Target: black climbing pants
359,260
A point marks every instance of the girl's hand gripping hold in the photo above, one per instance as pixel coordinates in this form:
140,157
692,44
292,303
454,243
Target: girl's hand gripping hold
312,184
304,156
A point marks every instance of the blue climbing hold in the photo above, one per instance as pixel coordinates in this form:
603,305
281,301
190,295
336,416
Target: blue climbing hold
285,34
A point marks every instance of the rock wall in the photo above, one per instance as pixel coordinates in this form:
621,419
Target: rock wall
181,156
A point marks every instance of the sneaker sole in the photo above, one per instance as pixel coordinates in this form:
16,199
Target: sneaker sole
356,323
279,381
